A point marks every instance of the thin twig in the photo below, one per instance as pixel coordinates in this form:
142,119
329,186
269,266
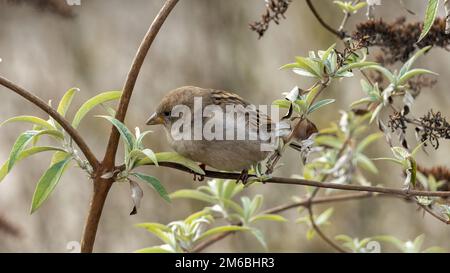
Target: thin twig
102,186
320,233
434,214
56,116
340,35
345,197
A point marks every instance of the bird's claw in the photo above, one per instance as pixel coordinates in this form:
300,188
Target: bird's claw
199,177
243,177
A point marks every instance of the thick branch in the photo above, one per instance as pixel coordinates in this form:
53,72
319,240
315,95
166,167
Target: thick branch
132,77
101,186
56,116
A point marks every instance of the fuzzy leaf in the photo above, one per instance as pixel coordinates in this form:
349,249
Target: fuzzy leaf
430,16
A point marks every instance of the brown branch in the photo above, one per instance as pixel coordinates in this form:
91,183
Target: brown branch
102,186
304,182
320,233
133,75
282,208
56,116
340,35
434,214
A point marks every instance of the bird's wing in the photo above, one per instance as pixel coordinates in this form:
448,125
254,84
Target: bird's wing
254,117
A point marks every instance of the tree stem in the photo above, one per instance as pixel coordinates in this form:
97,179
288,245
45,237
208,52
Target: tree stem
101,188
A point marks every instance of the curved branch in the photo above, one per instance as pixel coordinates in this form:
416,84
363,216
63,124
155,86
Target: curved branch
132,77
345,197
340,35
320,233
56,116
102,186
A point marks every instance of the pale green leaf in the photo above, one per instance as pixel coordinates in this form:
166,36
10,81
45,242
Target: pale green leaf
66,100
22,141
173,158
47,183
24,154
367,141
320,104
91,103
30,119
221,229
125,133
268,217
430,16
155,183
414,72
193,194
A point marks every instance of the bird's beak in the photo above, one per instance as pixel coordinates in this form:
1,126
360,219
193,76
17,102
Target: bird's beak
155,119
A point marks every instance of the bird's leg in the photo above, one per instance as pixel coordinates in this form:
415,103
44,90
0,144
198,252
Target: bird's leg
200,177
243,177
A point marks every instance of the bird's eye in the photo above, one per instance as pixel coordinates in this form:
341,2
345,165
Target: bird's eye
167,113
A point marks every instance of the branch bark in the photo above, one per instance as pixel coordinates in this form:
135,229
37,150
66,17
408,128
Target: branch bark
56,116
132,77
102,186
304,203
340,35
303,182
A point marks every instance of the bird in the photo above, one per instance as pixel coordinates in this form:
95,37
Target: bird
219,153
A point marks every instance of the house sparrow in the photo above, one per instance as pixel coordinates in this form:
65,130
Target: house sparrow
221,154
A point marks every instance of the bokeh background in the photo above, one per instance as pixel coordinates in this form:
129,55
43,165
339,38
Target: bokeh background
49,49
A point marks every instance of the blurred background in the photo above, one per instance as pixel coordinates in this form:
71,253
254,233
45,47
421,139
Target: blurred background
48,47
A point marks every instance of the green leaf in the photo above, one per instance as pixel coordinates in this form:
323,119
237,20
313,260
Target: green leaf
157,229
259,236
407,66
414,72
220,229
355,66
327,140
388,74
24,154
156,249
91,103
366,163
327,53
312,95
173,158
151,155
320,104
193,194
30,119
58,156
47,183
268,217
309,66
400,153
324,216
376,112
430,16
66,100
55,133
155,183
20,144
126,135
290,66
367,141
